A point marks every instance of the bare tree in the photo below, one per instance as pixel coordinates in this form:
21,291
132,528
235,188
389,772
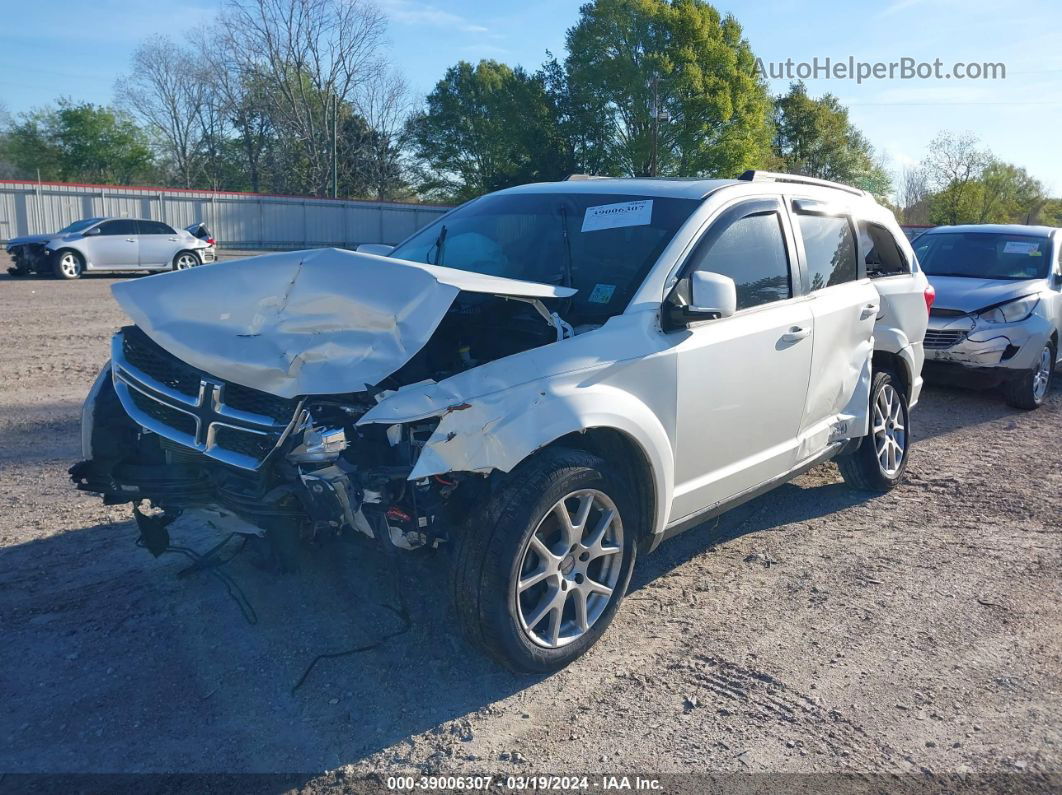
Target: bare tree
954,164
385,103
912,194
311,56
164,92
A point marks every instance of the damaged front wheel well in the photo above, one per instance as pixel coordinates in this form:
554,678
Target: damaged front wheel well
885,360
630,460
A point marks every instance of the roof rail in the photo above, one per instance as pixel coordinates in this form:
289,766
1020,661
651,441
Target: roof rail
769,176
580,177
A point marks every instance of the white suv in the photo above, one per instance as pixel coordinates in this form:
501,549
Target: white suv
546,381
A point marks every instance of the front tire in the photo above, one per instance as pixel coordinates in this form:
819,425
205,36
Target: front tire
540,569
1029,390
878,464
68,265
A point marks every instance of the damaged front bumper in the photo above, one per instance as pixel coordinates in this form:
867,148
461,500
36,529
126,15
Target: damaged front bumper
997,350
156,429
29,258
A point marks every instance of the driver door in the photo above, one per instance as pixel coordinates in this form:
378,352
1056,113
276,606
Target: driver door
743,379
115,247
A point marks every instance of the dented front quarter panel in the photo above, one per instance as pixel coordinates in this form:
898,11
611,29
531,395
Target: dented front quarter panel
495,415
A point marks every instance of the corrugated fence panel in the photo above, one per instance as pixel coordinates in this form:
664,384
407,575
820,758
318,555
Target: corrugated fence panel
238,220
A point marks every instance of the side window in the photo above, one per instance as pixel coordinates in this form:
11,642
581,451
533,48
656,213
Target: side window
883,257
751,251
123,226
155,228
830,248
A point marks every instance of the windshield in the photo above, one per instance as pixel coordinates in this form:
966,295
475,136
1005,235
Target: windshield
79,226
983,255
601,244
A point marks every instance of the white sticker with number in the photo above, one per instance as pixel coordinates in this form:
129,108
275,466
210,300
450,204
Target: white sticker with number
611,216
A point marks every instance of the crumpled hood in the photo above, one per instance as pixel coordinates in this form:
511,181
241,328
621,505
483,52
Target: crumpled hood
305,322
971,295
25,239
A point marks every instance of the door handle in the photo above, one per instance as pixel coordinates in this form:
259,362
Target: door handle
870,310
173,240
796,334
130,240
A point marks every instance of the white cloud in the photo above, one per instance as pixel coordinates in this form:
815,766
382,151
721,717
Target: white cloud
410,12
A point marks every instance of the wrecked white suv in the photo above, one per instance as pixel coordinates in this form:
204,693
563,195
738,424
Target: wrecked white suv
546,381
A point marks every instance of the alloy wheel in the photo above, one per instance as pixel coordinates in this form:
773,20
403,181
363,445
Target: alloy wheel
186,261
890,433
1042,377
70,265
569,569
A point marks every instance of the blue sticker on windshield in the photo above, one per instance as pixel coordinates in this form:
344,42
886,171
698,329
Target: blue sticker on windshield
602,293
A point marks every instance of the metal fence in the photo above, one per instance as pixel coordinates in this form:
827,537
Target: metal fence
238,220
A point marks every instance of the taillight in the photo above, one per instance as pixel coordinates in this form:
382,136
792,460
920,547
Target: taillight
931,296
210,241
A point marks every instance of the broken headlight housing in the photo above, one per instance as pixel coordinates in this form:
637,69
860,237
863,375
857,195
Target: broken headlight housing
1012,311
320,443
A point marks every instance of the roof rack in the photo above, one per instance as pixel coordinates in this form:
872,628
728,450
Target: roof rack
769,176
581,177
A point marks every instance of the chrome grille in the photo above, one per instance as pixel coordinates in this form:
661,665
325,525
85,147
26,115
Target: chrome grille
231,423
938,339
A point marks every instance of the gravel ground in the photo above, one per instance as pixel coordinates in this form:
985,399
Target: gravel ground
812,630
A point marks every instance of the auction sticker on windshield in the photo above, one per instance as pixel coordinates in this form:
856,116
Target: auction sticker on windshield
1021,247
611,216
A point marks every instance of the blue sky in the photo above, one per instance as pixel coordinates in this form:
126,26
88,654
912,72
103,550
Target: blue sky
45,52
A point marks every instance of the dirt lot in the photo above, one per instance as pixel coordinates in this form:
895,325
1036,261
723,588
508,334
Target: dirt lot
811,630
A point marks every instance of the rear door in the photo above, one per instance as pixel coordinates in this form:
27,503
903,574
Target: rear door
115,247
742,380
903,318
844,305
158,244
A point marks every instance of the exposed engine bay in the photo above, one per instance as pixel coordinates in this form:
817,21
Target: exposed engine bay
173,439
29,258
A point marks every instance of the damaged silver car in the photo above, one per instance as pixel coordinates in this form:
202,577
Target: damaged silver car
544,382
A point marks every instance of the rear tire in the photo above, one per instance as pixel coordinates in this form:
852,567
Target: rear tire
1029,390
878,464
185,260
526,588
68,265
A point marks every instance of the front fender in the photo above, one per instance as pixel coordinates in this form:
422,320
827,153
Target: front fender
499,430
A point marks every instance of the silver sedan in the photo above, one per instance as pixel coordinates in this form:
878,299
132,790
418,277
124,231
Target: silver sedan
107,244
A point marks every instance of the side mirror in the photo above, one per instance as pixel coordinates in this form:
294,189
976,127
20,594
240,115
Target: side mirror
94,231
379,249
712,295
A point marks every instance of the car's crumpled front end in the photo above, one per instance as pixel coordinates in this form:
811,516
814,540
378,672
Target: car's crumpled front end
247,412
990,328
29,254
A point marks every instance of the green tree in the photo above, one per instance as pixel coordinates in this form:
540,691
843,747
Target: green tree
1009,193
487,127
815,138
80,143
954,167
673,71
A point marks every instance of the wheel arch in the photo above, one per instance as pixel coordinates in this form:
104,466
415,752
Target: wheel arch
500,432
621,449
896,363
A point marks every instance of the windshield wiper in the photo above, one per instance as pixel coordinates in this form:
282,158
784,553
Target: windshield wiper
440,241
